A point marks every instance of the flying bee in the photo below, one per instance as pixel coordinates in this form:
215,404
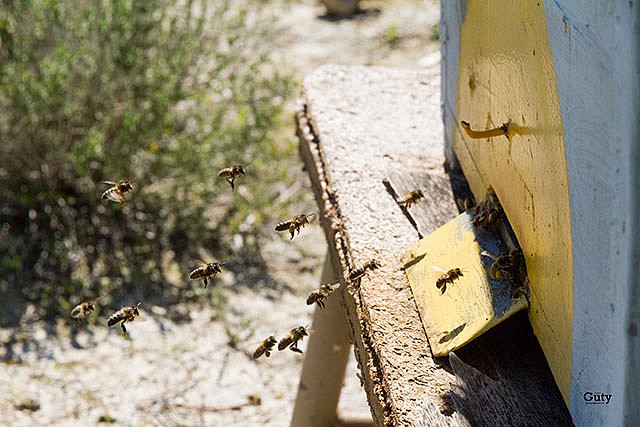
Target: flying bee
447,278
265,347
359,272
116,192
206,272
292,338
319,295
126,314
231,173
411,199
81,311
295,223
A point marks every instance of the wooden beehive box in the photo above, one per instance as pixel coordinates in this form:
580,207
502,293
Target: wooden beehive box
566,76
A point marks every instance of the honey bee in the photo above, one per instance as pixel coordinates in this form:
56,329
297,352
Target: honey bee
231,173
117,191
447,278
411,199
510,267
359,272
295,223
126,314
265,347
489,212
206,272
319,295
292,338
81,311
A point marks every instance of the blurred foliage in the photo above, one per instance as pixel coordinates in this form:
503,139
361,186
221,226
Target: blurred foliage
391,35
435,33
161,92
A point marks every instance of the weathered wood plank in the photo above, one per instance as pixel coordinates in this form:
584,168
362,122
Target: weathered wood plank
358,123
505,380
362,221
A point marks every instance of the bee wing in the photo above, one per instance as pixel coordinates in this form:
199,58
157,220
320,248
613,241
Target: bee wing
492,256
462,205
114,196
108,183
440,269
328,287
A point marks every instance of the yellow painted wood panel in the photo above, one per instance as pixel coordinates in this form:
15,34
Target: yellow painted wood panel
473,303
506,74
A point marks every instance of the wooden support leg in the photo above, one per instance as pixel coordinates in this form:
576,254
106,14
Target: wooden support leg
325,362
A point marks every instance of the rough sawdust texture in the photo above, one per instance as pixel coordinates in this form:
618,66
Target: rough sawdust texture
370,121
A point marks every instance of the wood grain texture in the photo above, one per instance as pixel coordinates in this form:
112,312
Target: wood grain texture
528,170
595,47
357,124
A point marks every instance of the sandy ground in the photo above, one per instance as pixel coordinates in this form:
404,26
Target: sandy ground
196,369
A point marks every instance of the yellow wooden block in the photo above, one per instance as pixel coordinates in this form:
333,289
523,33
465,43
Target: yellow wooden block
473,303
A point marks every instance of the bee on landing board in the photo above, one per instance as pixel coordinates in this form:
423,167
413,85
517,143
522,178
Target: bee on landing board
81,311
295,223
359,272
292,338
319,295
117,191
265,347
127,313
448,277
231,173
411,198
206,272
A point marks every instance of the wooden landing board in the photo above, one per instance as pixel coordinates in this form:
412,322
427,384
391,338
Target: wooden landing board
355,125
473,303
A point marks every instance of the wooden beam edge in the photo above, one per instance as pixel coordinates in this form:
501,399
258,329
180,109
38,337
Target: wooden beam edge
332,223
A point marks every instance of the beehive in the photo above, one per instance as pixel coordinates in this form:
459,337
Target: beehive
565,76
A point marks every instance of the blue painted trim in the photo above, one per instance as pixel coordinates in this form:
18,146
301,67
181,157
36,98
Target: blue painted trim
592,44
632,327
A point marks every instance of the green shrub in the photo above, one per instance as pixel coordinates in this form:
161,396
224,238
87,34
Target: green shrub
162,92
